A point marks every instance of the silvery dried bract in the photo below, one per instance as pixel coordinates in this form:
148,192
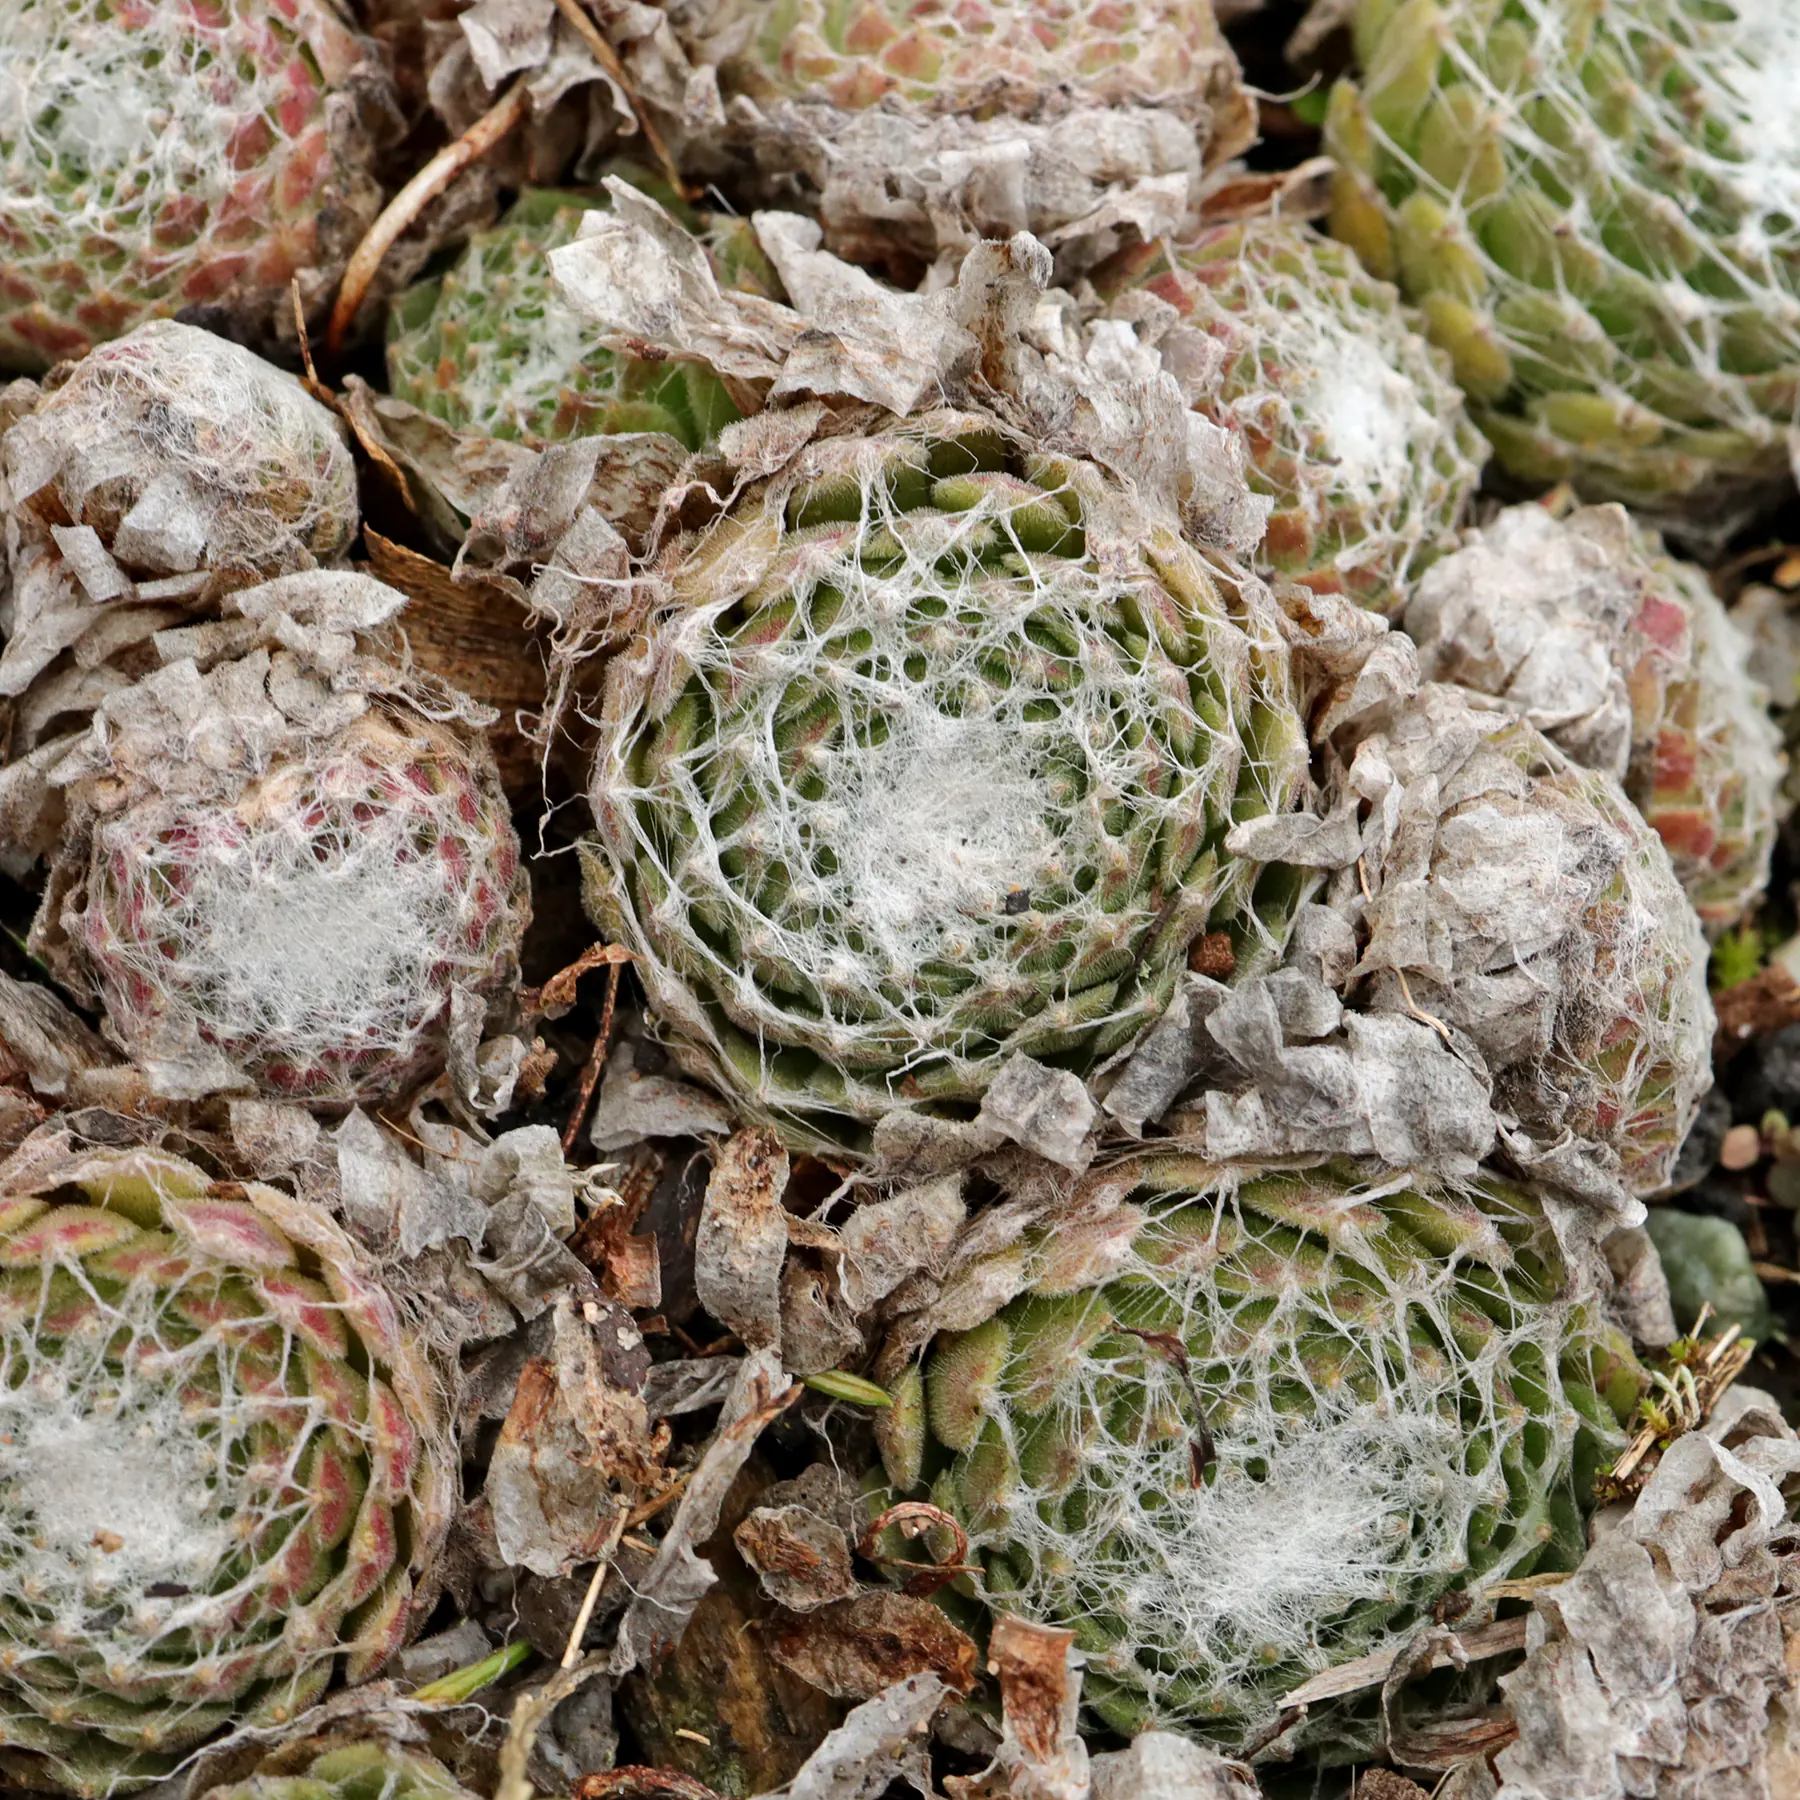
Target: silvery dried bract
286,862
139,486
1515,905
550,527
915,133
1625,658
1661,1669
994,338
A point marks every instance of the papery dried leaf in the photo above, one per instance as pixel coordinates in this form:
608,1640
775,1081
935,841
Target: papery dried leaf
43,1041
1161,1765
1040,1756
882,1741
1653,1669
478,638
742,1241
576,1445
855,1648
802,1560
634,1106
677,1578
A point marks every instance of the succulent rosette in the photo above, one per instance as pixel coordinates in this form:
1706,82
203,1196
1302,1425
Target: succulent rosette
917,130
1283,1417
1598,212
490,346
1355,430
929,762
225,1472
1517,904
1625,657
272,887
178,154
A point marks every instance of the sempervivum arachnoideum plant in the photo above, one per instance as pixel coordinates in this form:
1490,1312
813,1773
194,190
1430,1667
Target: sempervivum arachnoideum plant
141,485
1598,210
1519,904
287,866
930,761
224,1473
185,153
1626,658
1283,1416
490,346
1356,432
915,131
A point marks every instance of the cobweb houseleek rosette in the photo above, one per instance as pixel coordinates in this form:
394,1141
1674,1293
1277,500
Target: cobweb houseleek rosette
1513,896
930,761
185,454
490,346
305,936
1270,1434
1598,210
1354,429
913,131
180,154
223,1469
1625,658
978,59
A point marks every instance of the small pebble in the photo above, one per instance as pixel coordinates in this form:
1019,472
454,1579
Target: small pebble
1741,1148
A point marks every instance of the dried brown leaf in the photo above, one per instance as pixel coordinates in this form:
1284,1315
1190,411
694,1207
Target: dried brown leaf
801,1559
576,1445
1756,1008
854,1648
677,1578
742,1241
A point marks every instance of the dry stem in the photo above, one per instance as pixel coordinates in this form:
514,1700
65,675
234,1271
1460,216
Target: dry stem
412,200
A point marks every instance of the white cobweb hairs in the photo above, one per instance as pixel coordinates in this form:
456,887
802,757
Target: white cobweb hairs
223,1464
1625,658
1513,896
179,155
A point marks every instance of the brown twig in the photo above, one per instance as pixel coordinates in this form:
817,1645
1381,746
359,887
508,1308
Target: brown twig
608,58
1742,564
572,1650
412,200
590,1075
651,1507
638,1783
315,386
1726,1358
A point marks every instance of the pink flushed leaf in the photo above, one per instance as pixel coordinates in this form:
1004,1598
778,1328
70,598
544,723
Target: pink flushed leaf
229,1230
